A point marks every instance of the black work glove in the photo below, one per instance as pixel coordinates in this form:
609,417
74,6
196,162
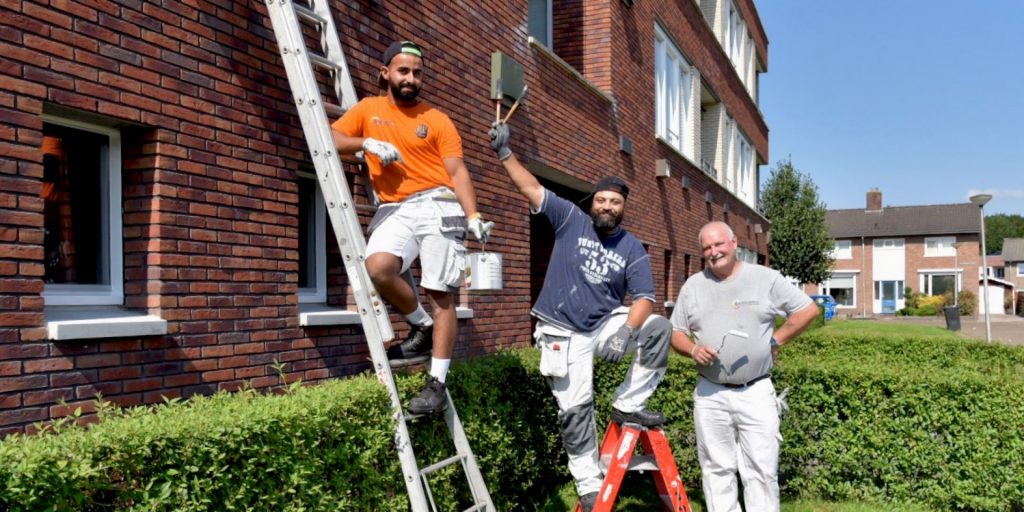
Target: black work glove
614,347
499,135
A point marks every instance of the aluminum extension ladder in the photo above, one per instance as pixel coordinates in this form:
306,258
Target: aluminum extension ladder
288,20
617,456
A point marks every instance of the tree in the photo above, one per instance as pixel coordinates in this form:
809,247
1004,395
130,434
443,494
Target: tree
1000,226
798,240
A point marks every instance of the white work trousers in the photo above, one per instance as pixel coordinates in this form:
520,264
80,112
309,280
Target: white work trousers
575,391
738,430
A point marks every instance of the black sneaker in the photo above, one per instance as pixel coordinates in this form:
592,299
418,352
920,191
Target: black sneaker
643,417
432,399
417,344
587,501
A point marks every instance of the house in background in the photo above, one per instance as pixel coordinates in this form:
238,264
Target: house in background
880,251
162,236
1013,270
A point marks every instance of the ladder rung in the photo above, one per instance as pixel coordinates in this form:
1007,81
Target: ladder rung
323,62
478,506
333,110
443,464
371,209
309,15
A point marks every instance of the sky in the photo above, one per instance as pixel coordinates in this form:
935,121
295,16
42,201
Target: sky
922,99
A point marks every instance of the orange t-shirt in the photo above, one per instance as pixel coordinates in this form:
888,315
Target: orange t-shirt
423,135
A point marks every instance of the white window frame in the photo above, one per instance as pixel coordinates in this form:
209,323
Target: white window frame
927,276
842,250
674,79
112,291
943,246
317,232
826,287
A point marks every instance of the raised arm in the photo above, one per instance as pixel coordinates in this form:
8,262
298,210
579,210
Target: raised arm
522,178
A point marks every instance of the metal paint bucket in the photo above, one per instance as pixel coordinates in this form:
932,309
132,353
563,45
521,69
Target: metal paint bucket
483,271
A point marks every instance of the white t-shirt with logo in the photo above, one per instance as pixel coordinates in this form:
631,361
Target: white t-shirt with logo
736,317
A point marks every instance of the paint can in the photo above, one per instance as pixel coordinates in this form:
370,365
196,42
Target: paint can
483,272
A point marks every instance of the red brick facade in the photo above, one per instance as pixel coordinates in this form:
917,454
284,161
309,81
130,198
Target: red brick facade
212,146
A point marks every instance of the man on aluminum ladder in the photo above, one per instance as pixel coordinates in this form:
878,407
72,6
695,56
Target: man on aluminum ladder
428,202
594,265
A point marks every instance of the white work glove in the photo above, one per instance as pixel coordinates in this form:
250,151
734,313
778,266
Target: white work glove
385,151
481,230
780,402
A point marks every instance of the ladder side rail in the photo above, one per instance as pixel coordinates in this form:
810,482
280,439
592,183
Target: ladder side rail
666,479
377,326
477,485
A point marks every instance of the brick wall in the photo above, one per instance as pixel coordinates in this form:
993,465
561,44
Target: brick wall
211,151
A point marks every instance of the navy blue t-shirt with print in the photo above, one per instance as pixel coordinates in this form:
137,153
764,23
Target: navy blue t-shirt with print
588,276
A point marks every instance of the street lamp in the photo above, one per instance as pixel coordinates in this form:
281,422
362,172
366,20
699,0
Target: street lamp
980,200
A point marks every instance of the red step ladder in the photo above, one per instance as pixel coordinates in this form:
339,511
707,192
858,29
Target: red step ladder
617,456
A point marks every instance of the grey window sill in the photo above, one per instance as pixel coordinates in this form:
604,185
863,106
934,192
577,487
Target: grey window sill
95,322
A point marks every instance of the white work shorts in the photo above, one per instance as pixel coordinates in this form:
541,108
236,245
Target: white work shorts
430,225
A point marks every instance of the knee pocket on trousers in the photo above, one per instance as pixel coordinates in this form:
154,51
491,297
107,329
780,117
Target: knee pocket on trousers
579,433
654,338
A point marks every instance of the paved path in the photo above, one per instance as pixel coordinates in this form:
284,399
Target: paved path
1005,328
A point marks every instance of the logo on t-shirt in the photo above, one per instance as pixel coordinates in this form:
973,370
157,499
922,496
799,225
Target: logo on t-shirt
736,303
421,131
598,261
382,122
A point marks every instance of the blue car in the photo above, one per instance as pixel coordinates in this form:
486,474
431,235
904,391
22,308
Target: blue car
828,302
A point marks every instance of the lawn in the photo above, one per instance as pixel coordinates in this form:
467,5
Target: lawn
888,328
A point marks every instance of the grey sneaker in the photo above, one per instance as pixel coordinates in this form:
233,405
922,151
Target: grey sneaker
643,417
432,399
587,501
417,344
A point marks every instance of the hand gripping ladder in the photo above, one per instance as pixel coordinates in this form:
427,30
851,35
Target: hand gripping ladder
288,20
617,456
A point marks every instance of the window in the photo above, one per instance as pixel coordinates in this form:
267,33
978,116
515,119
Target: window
539,21
1020,269
842,250
746,255
940,246
842,288
674,80
312,241
888,243
939,283
82,241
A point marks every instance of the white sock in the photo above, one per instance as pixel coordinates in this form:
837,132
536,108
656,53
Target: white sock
439,368
420,317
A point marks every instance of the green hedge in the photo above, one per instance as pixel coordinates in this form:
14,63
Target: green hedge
875,419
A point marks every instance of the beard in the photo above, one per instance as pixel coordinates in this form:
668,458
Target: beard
396,92
605,222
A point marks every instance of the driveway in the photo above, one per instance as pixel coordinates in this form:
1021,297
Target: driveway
1005,328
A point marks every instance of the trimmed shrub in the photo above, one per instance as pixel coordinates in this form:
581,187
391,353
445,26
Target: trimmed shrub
967,301
928,421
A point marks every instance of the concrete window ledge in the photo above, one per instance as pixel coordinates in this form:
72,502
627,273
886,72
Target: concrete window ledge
92,322
313,315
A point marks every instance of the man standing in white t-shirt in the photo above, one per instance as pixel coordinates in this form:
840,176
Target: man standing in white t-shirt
725,320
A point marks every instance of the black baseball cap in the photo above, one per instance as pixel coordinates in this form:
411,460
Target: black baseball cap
397,47
614,184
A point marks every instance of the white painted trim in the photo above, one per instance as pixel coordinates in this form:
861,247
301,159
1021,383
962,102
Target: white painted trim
312,315
74,323
111,293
